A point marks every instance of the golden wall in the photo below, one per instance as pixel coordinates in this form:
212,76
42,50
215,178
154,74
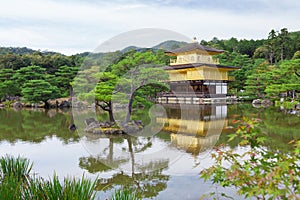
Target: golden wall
202,73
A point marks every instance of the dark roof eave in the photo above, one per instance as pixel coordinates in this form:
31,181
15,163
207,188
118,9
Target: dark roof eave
185,66
194,46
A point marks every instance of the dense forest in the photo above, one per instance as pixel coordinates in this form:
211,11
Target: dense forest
269,67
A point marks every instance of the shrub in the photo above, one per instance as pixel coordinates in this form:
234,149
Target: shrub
16,183
259,172
125,194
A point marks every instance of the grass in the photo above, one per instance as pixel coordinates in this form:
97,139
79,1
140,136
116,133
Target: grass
17,183
125,194
14,176
18,167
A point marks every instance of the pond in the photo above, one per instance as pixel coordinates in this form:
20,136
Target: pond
163,163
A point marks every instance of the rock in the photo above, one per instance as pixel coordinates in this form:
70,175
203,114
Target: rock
78,104
96,127
52,103
60,103
298,106
92,126
17,105
266,102
72,127
256,101
139,123
93,106
256,105
98,131
64,104
132,127
41,105
89,121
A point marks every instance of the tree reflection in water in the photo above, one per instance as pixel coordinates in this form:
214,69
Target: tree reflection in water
35,125
192,132
122,161
146,178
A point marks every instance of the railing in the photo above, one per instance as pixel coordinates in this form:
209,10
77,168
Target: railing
207,60
189,94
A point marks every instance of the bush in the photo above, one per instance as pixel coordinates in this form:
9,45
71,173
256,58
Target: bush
259,172
287,104
125,194
17,183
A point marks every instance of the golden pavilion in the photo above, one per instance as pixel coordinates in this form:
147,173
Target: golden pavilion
195,76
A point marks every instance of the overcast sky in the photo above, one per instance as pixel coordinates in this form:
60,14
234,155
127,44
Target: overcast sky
73,26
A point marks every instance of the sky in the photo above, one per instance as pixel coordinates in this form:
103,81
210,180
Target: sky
74,26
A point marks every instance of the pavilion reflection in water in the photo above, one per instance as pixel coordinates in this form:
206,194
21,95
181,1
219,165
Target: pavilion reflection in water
194,128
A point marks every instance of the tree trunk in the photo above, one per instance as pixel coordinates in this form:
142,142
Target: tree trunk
111,114
130,102
129,108
107,107
111,150
131,154
281,53
71,91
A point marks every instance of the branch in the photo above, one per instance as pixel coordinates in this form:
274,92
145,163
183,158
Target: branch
106,108
116,91
297,74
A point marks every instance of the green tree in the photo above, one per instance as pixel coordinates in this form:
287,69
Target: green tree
120,80
296,55
271,43
84,83
283,40
29,73
104,92
242,61
284,79
63,78
136,70
257,82
38,90
7,84
139,77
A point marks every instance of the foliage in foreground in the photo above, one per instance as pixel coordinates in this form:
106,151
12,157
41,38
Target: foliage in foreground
17,183
125,194
259,172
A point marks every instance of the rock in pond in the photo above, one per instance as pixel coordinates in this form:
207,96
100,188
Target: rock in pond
96,127
266,103
256,101
72,127
17,105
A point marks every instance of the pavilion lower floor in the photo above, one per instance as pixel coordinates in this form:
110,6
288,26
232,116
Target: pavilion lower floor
195,92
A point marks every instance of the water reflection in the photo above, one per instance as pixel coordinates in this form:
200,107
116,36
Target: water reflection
199,130
146,177
157,166
144,162
35,125
147,183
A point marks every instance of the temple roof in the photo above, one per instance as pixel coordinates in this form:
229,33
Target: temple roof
185,66
195,46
